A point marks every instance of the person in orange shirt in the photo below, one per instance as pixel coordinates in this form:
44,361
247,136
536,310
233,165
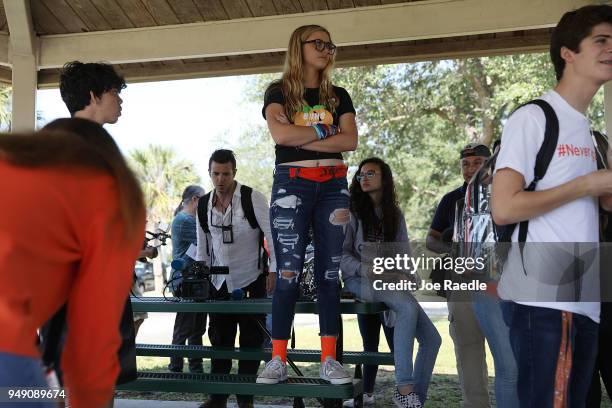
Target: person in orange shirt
71,224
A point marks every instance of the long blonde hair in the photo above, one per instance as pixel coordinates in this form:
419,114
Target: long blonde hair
292,80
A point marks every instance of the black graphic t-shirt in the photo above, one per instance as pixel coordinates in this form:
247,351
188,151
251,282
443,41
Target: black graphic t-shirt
308,116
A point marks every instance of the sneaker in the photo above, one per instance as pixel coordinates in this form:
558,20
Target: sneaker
274,372
368,399
410,400
332,371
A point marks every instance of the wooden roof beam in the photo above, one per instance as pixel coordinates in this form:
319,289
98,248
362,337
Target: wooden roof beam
4,50
363,25
531,41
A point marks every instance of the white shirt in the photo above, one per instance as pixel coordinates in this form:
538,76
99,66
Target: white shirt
574,222
242,255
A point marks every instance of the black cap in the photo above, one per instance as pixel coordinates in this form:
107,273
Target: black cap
475,149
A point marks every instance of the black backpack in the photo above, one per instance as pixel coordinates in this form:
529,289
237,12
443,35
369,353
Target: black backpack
601,145
249,212
543,159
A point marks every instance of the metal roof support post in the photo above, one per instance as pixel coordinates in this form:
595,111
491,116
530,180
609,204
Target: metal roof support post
23,115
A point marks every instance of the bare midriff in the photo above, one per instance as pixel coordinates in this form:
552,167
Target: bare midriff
314,163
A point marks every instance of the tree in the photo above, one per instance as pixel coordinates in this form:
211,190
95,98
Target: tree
163,178
6,107
255,159
6,93
418,116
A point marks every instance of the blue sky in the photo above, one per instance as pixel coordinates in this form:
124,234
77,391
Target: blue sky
193,116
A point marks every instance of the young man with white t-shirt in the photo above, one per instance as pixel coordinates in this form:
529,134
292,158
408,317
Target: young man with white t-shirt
554,319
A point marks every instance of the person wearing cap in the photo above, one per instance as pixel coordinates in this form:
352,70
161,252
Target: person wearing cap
472,236
468,338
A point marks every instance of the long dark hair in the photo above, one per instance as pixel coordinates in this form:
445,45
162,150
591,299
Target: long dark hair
81,143
188,193
361,203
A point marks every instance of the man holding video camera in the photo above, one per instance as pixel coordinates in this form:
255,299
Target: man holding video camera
232,223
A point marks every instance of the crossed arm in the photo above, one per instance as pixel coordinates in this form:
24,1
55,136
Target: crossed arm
285,134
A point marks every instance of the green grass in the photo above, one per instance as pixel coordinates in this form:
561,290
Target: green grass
444,391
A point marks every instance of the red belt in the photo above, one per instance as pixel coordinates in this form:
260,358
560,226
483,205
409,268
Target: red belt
319,174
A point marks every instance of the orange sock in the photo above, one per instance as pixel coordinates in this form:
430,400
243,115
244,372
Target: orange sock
328,347
279,348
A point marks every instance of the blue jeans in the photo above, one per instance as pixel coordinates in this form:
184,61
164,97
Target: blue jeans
491,321
20,371
369,327
411,322
297,204
535,335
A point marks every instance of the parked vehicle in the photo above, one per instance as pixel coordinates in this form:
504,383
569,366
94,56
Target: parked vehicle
145,280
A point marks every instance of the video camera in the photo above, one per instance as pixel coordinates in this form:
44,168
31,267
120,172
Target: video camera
196,283
160,236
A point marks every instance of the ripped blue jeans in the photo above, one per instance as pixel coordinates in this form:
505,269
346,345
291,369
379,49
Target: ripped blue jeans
297,204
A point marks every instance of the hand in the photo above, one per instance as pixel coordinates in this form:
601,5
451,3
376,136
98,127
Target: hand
148,252
282,118
606,202
270,282
599,183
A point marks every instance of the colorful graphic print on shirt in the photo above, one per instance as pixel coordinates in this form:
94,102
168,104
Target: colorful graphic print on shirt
312,115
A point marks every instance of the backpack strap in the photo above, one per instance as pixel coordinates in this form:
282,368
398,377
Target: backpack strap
202,209
600,141
203,216
247,205
543,159
489,164
246,200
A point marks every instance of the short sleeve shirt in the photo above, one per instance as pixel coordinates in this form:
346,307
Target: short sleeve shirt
445,213
309,115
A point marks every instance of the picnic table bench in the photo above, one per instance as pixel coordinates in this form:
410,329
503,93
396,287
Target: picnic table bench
297,386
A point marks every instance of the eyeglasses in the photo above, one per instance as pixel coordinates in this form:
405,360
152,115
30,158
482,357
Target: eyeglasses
321,45
367,175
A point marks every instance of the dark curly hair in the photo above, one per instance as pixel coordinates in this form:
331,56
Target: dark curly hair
574,27
361,203
77,79
222,156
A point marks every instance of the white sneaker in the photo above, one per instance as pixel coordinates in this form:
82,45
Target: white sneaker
274,372
410,400
332,371
368,399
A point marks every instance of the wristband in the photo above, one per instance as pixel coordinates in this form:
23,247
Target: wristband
325,131
320,130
